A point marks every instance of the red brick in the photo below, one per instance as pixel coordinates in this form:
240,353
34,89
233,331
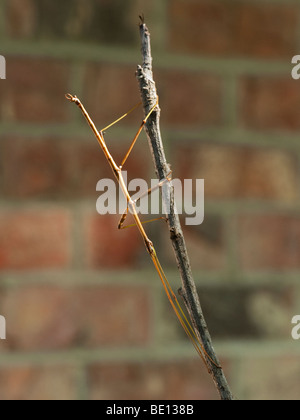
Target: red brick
21,20
270,378
111,90
205,243
184,380
190,98
66,21
54,318
269,241
233,28
34,90
34,239
34,167
38,383
256,306
270,103
240,172
108,247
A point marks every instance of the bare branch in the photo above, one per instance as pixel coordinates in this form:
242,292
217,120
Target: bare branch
188,291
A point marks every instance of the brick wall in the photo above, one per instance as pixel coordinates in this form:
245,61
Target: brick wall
86,314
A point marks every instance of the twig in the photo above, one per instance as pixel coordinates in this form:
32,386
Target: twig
188,291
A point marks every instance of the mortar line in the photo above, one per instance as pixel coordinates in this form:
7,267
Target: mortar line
164,60
159,354
285,140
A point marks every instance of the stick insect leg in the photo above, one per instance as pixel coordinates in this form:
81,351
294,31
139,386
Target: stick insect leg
143,223
150,191
181,316
121,118
124,216
137,136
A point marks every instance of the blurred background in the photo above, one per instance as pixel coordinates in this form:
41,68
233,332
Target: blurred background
86,315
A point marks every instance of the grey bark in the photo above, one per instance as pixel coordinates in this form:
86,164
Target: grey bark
188,292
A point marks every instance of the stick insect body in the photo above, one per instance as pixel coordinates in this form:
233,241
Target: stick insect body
131,205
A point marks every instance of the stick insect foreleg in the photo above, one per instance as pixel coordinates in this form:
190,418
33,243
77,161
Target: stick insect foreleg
138,134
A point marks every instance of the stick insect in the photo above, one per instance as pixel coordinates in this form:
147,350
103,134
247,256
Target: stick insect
131,206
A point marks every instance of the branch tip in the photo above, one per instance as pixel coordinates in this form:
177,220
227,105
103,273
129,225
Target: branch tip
142,19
